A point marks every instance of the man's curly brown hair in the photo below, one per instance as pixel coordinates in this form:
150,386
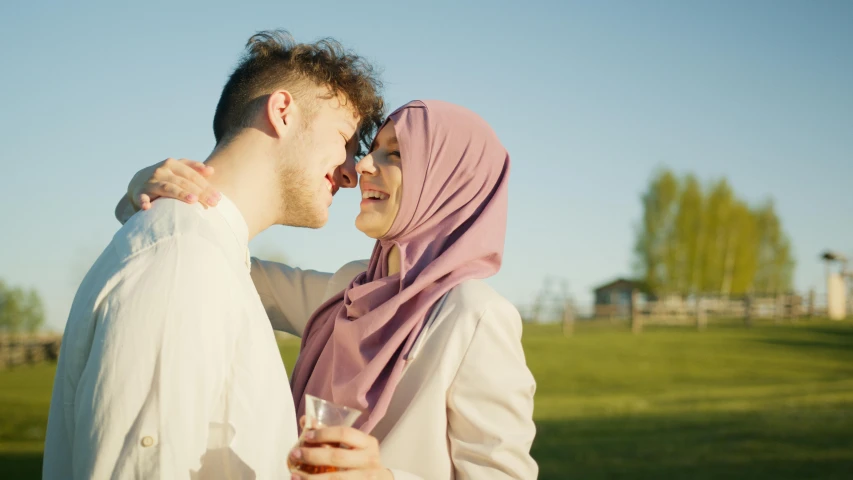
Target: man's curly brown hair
273,60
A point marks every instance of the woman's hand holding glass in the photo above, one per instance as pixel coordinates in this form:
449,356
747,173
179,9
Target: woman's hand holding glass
343,453
329,448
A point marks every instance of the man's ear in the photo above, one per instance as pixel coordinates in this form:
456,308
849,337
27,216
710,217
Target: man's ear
281,112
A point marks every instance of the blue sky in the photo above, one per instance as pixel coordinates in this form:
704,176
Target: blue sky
588,97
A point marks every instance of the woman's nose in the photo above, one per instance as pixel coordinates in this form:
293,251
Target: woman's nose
365,166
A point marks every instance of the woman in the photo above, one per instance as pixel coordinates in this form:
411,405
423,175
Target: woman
429,352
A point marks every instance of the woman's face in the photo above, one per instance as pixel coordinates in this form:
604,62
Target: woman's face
381,181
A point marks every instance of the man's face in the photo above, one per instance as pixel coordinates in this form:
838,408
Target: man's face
314,165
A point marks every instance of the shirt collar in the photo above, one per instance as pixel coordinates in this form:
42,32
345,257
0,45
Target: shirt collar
237,223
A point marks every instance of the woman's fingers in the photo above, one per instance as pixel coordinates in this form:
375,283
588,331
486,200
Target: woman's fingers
350,437
183,179
182,188
371,474
354,453
334,457
194,172
200,167
144,201
173,187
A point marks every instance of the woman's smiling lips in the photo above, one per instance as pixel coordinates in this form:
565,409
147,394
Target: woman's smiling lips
371,194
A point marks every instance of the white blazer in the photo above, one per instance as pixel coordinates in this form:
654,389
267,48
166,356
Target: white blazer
464,405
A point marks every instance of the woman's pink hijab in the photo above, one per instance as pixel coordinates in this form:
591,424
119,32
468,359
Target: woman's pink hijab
450,228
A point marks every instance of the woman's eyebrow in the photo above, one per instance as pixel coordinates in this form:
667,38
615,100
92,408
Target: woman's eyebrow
391,141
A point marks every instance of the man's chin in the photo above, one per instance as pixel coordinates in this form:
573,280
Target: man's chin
320,224
317,220
316,223
322,218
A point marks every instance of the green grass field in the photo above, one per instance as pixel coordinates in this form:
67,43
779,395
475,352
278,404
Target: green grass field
771,402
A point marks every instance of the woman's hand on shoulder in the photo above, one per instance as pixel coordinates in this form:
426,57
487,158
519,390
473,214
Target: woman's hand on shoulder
183,179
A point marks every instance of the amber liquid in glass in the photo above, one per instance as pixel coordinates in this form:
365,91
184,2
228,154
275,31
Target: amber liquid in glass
312,469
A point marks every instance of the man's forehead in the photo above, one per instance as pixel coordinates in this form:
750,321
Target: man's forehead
342,108
347,117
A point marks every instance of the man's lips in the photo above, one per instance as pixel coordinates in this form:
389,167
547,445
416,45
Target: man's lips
333,186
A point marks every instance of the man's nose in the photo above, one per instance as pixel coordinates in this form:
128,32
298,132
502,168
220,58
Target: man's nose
346,174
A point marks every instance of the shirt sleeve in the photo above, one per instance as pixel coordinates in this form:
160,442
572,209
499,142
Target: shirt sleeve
290,295
124,210
490,403
161,357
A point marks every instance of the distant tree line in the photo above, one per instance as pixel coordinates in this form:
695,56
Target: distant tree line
696,239
20,310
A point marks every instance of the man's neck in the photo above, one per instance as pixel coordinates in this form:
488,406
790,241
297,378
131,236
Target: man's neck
247,178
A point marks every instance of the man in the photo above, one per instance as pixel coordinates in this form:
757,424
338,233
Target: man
168,367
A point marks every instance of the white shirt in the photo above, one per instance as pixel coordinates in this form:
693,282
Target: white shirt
464,406
169,367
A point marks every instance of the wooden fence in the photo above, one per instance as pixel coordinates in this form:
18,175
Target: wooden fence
18,350
698,311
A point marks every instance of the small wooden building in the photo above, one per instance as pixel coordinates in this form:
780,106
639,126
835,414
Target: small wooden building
613,299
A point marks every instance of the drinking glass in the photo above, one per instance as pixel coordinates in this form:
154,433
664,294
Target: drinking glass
320,413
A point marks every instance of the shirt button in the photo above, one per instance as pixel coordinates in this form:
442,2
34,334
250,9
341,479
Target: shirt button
147,441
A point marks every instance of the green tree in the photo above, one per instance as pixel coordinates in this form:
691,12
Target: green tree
696,241
741,258
20,310
654,234
33,312
717,241
688,243
775,266
11,309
